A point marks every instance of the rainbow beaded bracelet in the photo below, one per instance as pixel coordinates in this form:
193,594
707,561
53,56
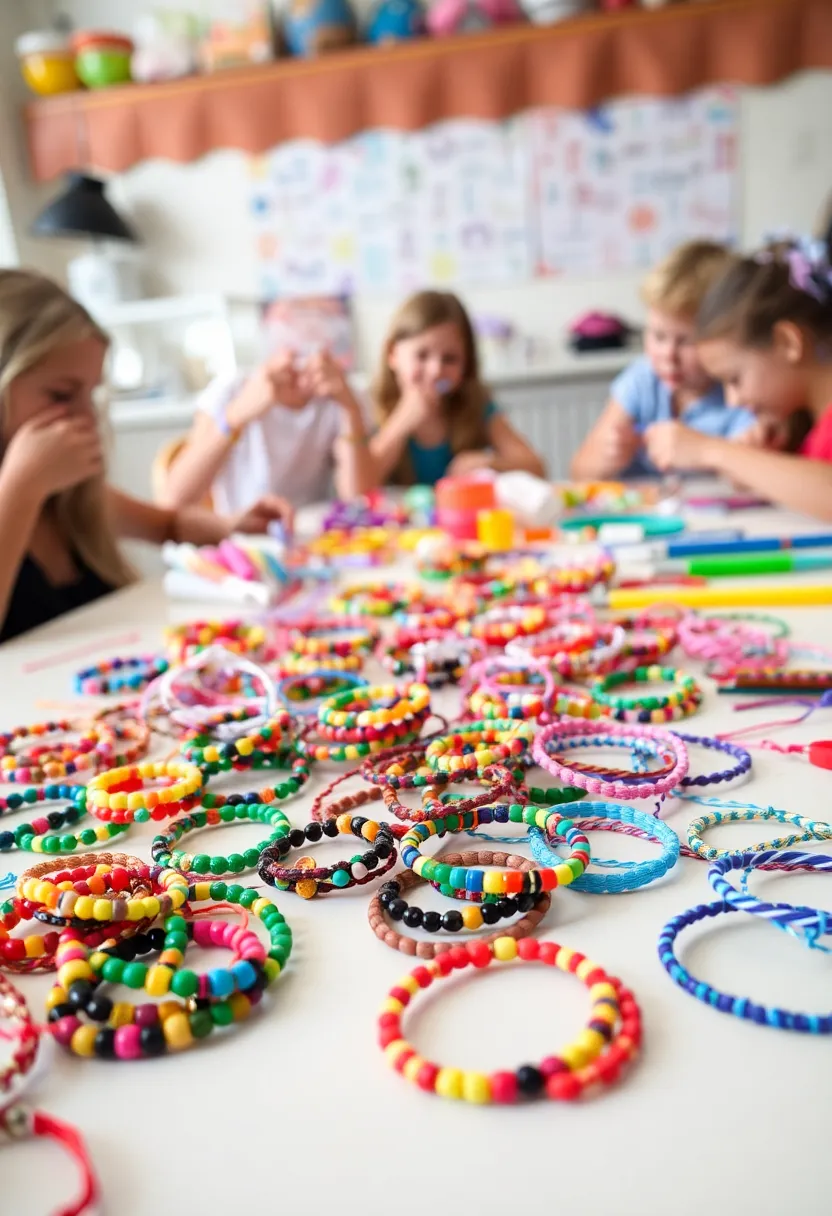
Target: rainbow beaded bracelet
186,782
658,708
475,882
477,745
116,675
611,1037
164,854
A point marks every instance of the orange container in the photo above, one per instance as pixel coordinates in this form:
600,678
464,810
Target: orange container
466,493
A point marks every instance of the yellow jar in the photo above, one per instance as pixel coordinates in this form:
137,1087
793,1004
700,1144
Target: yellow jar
47,63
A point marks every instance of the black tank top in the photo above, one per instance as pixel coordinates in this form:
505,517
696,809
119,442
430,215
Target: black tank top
35,600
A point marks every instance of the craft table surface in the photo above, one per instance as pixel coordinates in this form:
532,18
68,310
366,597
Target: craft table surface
297,1110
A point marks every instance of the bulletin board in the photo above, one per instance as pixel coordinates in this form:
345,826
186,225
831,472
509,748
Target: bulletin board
549,192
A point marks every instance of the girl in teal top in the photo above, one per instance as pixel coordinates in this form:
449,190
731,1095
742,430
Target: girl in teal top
435,415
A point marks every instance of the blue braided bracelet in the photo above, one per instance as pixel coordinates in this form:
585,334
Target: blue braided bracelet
631,875
805,923
742,756
741,1007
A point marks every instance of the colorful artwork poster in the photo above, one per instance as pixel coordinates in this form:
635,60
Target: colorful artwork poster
550,192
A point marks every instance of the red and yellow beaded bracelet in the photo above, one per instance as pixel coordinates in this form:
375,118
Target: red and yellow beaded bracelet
477,745
322,638
610,1039
106,801
183,641
498,626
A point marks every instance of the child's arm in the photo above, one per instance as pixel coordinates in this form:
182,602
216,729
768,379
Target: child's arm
509,452
390,440
209,444
795,482
136,520
355,468
609,447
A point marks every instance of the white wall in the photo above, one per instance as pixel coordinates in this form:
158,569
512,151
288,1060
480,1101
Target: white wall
195,225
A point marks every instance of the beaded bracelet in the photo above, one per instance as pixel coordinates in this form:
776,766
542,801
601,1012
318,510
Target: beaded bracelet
36,951
373,599
164,854
573,649
630,875
300,773
509,688
184,641
800,921
96,749
741,1007
133,1032
477,745
451,879
322,638
55,893
488,911
123,806
742,756
497,626
533,907
500,782
292,664
117,964
810,829
378,705
659,708
340,752
430,615
43,835
246,751
302,694
116,675
571,734
434,656
610,1039
308,880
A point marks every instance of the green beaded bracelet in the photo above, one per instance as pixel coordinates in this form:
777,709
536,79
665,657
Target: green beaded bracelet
289,757
660,707
164,854
280,935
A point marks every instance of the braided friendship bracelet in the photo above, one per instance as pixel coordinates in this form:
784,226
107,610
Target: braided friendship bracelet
164,854
476,883
810,829
803,922
742,756
611,1037
741,1007
308,880
630,875
25,1036
573,734
534,907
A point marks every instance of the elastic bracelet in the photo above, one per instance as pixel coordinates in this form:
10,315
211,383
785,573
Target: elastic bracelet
506,687
302,694
290,758
337,753
573,650
742,756
44,835
373,599
185,641
477,745
500,782
810,829
292,664
323,638
611,1037
103,798
802,922
450,879
123,1031
570,734
658,708
249,751
646,640
377,705
169,893
497,626
308,880
36,951
164,854
100,746
741,1007
630,875
430,654
532,907
503,813
116,675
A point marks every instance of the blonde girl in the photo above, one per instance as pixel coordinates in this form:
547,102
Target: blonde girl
59,520
435,415
765,330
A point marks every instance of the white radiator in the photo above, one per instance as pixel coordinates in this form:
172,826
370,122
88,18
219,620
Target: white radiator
555,415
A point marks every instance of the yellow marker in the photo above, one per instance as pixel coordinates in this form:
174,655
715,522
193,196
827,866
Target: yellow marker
771,595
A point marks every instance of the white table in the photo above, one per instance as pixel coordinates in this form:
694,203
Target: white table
298,1111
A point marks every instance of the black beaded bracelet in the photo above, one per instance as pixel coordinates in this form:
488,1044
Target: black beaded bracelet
473,917
308,880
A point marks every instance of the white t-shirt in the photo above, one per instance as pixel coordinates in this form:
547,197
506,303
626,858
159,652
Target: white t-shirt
287,452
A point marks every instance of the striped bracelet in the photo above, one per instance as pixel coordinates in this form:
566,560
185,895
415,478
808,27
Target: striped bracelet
800,921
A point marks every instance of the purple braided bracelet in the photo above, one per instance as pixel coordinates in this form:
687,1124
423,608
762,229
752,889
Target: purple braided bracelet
720,745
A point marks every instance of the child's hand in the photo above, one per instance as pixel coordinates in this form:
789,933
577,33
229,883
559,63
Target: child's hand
415,406
765,433
620,444
257,518
470,462
323,376
275,382
671,445
53,451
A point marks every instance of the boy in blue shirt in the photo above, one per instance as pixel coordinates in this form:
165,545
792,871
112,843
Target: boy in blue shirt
667,386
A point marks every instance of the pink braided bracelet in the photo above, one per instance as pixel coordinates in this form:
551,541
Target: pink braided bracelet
573,734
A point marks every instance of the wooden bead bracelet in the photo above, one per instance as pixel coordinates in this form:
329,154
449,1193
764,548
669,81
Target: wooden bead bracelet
164,854
495,882
533,907
610,1039
125,806
308,880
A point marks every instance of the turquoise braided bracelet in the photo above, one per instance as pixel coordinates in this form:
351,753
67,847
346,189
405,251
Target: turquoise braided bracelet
743,812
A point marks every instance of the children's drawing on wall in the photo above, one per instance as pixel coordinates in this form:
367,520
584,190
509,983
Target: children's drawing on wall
548,192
